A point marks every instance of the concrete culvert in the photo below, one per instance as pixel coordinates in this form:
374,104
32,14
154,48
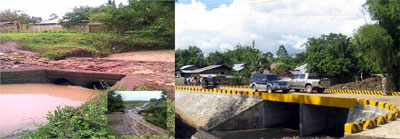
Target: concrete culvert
62,81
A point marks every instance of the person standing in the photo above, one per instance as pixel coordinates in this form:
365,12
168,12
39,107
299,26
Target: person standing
384,84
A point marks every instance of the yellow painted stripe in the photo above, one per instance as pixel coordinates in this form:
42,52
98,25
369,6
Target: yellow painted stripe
312,100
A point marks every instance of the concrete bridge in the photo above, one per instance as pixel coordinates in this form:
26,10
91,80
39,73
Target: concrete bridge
85,79
227,110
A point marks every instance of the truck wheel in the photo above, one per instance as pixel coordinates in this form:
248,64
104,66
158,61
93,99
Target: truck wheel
254,88
308,89
285,91
269,89
297,90
321,90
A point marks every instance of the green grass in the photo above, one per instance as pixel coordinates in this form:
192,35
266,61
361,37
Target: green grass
157,115
134,103
86,121
62,45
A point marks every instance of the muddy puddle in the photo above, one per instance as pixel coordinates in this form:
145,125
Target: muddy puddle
24,105
150,55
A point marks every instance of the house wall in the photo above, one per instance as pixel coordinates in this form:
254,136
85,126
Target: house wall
40,28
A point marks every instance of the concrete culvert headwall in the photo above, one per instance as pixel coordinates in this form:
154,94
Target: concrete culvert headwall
64,77
230,110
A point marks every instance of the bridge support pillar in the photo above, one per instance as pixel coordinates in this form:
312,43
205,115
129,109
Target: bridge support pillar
322,120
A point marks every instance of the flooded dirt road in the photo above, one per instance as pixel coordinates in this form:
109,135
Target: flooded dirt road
24,105
132,123
150,55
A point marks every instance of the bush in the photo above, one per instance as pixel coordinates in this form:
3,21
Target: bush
115,103
86,121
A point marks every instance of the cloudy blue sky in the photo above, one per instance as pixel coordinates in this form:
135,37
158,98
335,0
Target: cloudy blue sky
219,25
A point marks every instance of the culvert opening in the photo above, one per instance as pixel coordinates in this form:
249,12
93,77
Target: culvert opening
98,85
62,81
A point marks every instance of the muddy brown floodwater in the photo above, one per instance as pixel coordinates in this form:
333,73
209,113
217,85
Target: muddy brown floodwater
24,105
150,55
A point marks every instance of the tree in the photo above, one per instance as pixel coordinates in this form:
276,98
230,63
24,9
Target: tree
282,52
157,17
164,95
191,56
386,12
53,16
331,55
18,17
375,50
78,16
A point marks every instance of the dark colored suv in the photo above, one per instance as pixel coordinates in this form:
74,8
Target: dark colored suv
268,82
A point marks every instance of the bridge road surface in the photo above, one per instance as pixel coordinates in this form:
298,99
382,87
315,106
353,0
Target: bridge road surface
389,130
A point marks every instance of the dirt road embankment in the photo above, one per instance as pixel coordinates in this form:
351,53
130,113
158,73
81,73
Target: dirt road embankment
371,84
130,122
156,74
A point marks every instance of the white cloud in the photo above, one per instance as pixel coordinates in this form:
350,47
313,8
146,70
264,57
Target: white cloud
292,40
270,24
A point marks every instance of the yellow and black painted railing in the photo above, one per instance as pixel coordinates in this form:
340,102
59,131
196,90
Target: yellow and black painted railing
353,127
361,92
334,91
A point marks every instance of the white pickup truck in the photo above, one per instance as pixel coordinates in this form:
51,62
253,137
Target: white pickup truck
309,82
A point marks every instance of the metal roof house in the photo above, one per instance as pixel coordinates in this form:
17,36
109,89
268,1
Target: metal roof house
299,69
220,70
238,67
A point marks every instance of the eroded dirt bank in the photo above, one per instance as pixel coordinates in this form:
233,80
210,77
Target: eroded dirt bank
159,75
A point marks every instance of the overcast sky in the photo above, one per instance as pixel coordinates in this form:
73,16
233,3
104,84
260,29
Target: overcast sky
139,95
43,8
217,26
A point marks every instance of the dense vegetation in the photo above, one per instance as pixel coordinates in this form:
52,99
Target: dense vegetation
374,49
86,121
152,19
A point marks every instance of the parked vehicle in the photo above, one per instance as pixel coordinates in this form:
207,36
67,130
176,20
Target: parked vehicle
209,82
309,82
268,82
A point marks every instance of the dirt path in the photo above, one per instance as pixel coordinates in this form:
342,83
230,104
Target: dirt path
133,123
160,75
150,55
